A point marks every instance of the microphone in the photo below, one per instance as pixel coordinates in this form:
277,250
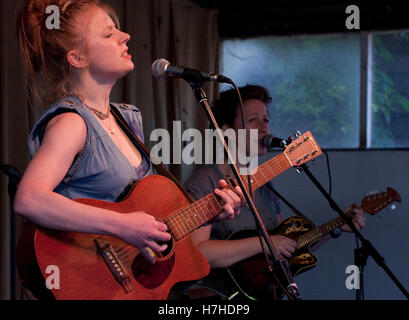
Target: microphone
162,68
270,142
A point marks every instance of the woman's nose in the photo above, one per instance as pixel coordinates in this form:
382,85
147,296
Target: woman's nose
126,37
263,127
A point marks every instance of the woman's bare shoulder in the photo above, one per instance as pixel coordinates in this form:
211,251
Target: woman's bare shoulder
67,128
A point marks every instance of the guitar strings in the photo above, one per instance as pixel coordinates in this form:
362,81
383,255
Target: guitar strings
182,215
179,219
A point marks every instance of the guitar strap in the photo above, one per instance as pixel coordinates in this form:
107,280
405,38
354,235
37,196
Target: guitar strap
296,211
159,167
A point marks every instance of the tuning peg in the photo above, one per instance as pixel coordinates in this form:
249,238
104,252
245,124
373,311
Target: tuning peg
297,134
299,169
314,162
372,192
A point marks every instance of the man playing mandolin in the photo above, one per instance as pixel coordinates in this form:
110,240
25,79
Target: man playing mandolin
211,240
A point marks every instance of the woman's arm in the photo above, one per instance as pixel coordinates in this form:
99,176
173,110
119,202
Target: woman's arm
35,199
224,253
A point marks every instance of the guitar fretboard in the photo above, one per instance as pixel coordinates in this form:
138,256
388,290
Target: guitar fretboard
198,213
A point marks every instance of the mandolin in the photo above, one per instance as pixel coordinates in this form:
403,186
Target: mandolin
97,267
249,275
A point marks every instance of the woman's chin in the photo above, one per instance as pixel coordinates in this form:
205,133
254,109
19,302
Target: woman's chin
126,71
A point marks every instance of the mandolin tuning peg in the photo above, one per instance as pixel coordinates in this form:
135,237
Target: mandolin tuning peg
314,162
371,193
297,134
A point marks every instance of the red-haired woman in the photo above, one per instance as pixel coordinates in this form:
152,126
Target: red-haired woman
78,149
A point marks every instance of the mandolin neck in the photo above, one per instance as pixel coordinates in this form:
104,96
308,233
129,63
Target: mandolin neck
317,233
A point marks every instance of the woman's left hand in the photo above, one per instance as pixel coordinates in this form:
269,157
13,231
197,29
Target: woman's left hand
234,201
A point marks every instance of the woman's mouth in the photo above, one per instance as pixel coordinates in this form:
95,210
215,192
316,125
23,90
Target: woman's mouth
126,55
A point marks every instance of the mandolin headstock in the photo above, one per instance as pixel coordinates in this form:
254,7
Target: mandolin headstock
379,201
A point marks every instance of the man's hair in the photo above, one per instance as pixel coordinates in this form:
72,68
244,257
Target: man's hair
225,109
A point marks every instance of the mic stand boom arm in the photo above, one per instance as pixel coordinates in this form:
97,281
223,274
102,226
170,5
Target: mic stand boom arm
367,247
277,267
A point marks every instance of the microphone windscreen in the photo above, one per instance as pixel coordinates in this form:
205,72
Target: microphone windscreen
270,142
159,68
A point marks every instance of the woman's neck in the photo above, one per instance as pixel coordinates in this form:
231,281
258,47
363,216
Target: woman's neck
95,94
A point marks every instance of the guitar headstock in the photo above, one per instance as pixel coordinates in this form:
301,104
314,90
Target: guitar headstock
379,201
302,150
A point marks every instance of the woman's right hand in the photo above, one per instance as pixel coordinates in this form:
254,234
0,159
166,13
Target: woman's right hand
143,231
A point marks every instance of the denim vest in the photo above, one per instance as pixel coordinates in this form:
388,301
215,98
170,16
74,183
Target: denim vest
100,171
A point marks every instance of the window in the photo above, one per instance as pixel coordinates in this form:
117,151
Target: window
315,83
388,121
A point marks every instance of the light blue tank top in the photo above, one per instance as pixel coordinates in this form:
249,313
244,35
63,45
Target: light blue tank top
100,171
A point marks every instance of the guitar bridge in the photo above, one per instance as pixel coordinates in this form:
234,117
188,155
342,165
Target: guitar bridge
114,264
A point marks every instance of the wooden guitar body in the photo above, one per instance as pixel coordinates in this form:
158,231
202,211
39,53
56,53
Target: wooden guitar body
84,274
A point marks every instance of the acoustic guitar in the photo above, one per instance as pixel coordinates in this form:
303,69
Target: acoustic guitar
250,275
99,267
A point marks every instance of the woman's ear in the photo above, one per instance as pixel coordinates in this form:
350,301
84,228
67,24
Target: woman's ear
76,59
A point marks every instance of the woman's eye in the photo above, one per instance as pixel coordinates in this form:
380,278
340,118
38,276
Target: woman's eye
108,35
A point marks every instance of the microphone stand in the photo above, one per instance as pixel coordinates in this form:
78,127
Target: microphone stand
360,258
278,268
367,248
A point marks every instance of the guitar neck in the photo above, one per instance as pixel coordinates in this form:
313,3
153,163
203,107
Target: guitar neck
198,213
267,171
317,233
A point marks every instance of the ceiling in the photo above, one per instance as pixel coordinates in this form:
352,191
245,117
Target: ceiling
238,18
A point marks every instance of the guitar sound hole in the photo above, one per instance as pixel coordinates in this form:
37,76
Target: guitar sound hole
168,249
149,275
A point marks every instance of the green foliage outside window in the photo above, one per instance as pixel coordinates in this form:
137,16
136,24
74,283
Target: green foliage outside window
390,91
315,85
313,80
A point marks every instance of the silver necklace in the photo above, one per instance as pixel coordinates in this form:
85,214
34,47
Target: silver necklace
102,116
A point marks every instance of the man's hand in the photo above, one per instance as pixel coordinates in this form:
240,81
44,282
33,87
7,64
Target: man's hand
358,219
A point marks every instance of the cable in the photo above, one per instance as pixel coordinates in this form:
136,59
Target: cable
329,172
